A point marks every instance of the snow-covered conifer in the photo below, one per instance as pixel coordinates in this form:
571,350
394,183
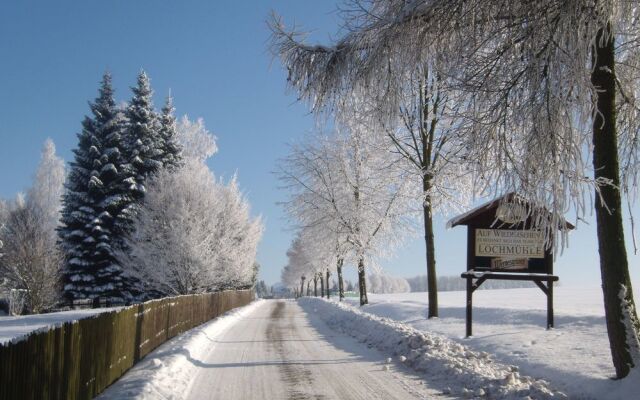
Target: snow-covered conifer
97,208
144,142
171,149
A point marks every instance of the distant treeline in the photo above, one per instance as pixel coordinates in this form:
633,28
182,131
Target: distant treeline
454,282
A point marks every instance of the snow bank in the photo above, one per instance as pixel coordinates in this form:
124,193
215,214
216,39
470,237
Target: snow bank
458,369
167,372
574,357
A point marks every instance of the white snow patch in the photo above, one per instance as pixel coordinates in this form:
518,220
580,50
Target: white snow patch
463,371
15,329
510,324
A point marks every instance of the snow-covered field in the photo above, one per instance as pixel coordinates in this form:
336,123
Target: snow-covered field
14,328
510,324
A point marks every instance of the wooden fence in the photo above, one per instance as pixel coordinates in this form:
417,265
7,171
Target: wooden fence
78,360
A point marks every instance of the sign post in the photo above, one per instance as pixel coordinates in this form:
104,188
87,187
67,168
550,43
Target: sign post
504,245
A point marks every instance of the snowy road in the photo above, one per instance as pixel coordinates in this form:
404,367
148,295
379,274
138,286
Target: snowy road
280,352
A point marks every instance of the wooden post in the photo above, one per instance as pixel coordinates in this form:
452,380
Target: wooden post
469,305
550,305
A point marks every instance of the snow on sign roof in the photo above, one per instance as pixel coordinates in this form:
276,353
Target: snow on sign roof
464,219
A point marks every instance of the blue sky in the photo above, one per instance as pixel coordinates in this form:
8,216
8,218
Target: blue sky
213,56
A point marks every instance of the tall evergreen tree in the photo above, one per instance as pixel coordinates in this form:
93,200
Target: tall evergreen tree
144,141
171,149
97,207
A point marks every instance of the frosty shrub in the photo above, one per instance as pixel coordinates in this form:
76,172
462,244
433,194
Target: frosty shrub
193,234
31,260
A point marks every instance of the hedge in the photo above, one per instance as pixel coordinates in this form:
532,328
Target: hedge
79,359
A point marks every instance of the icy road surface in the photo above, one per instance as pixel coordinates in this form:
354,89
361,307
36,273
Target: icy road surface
280,352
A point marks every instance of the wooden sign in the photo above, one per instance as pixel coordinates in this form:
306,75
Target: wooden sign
504,243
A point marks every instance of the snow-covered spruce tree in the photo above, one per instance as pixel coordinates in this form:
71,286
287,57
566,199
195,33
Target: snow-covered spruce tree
143,138
97,208
32,260
171,149
550,84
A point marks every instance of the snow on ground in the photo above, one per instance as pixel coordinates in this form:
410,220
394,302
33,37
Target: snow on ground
16,328
510,324
167,372
452,366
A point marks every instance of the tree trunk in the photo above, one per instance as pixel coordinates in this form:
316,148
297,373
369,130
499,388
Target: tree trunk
315,286
308,288
328,286
302,286
340,280
432,281
613,256
362,284
321,285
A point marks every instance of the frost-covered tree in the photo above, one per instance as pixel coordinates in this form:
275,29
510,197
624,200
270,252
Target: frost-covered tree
301,265
170,249
196,141
384,283
48,187
309,259
347,180
193,233
551,88
4,211
237,238
171,148
97,204
425,135
262,290
32,260
143,138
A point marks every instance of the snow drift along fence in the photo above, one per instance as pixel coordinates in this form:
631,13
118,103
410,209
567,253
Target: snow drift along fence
78,360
